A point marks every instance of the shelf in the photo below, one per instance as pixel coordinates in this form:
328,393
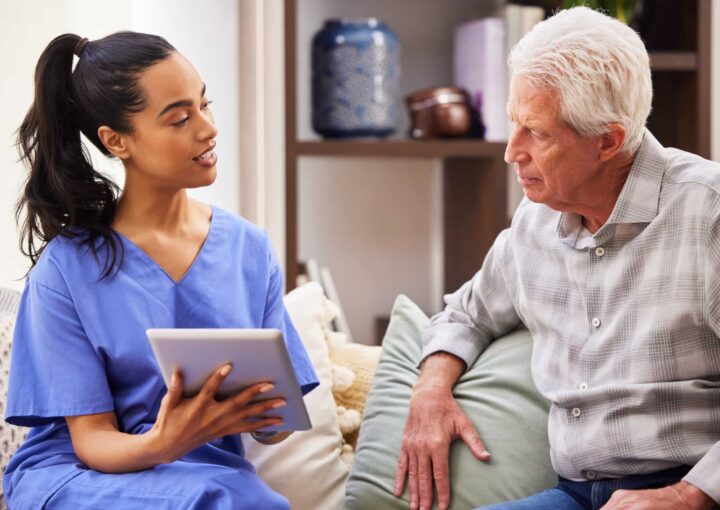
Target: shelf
401,148
673,61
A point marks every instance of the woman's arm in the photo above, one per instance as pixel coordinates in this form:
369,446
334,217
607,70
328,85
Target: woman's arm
182,425
101,446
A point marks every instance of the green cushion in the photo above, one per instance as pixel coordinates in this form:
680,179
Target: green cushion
497,394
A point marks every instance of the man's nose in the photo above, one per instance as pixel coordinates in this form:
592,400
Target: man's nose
514,152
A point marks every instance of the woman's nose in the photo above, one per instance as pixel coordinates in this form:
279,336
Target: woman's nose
208,129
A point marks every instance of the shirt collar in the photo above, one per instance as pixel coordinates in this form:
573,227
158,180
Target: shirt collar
639,198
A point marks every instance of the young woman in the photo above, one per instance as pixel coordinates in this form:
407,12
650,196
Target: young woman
105,431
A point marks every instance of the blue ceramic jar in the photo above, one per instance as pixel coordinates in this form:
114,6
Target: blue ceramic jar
355,79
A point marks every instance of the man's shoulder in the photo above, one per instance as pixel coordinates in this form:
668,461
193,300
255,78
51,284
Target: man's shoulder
687,172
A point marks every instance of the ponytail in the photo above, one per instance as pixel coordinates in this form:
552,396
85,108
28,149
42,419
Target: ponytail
64,195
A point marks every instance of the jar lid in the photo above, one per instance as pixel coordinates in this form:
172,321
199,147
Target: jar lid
364,22
426,98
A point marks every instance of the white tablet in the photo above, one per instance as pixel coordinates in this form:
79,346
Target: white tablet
257,355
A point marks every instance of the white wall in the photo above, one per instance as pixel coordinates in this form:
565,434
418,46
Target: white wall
25,29
207,36
374,224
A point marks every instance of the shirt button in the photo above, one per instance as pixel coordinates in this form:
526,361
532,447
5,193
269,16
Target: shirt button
596,322
576,412
591,475
584,386
599,251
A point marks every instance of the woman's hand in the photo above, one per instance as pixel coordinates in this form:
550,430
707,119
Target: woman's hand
184,424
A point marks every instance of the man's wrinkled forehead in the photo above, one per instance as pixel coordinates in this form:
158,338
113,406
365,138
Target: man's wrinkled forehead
528,104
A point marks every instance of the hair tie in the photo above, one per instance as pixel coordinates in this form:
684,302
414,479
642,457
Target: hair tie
80,46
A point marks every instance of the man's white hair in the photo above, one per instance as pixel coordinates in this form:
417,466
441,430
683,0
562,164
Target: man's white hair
597,65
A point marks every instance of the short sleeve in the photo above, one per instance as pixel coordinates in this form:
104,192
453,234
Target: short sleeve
277,317
54,370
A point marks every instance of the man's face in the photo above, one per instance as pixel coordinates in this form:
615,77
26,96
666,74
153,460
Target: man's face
554,165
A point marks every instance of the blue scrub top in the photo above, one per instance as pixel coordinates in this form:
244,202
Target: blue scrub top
80,345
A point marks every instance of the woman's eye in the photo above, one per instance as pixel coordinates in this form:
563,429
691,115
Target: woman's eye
207,103
181,122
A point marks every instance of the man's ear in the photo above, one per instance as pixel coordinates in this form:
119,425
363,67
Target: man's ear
114,142
612,141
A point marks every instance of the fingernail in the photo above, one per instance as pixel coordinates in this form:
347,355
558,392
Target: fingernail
225,370
279,404
266,388
485,454
174,381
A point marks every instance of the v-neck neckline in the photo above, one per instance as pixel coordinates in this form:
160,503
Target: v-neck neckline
152,262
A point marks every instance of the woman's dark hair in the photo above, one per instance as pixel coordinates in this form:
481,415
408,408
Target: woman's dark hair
64,195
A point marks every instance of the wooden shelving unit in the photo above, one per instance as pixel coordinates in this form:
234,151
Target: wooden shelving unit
474,173
402,148
681,81
474,179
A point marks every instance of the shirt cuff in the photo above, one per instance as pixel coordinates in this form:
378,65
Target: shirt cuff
706,473
454,338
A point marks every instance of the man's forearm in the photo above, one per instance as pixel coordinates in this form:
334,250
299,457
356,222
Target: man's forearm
440,370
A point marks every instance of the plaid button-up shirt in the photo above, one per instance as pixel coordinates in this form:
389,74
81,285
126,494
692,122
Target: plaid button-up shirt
625,322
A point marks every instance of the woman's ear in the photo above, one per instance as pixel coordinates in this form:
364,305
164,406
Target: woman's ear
114,142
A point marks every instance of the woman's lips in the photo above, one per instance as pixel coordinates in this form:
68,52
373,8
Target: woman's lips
207,159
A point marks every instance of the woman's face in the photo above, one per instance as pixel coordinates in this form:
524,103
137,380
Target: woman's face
173,139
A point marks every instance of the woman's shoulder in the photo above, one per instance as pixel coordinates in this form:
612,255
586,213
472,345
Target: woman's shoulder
67,256
240,229
246,241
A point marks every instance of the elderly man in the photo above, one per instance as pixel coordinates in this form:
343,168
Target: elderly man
612,262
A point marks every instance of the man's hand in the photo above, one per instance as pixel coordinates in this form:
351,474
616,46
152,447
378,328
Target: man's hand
434,421
681,496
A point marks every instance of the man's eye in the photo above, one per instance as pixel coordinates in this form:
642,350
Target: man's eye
181,122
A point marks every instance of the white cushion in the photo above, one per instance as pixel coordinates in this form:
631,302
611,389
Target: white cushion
306,468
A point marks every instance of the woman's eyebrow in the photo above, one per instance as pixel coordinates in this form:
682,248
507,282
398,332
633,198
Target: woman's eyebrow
183,102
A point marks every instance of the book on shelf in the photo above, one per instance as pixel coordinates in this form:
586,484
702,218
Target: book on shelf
481,49
519,20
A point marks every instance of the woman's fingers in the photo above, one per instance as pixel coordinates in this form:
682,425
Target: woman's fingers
213,383
174,393
252,426
249,393
171,399
259,408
